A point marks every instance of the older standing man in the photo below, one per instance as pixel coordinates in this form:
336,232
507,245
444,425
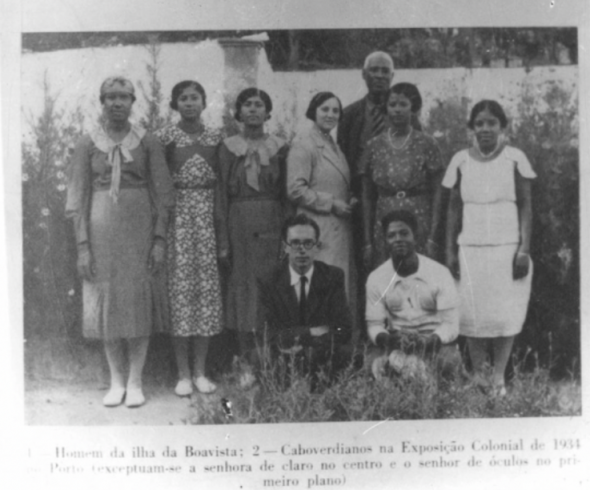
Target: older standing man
361,121
366,118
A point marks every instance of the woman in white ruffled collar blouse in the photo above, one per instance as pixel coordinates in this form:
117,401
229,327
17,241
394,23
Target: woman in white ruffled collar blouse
253,175
119,196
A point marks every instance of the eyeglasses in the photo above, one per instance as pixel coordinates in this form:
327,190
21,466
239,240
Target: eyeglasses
306,244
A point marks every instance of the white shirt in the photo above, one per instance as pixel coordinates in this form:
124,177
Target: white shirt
424,302
296,280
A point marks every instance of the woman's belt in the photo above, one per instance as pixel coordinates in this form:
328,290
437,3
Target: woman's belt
252,198
106,186
400,194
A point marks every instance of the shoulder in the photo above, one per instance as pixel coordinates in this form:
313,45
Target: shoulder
434,270
425,139
270,279
151,142
381,273
166,134
305,140
514,154
330,272
211,136
355,107
84,142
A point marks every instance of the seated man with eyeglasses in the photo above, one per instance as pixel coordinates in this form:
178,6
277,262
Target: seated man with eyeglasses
304,302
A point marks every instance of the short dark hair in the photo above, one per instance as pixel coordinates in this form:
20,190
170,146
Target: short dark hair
410,91
245,94
317,100
493,107
299,220
179,88
403,215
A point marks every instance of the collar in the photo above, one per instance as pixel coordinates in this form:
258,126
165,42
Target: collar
269,146
419,274
129,142
295,275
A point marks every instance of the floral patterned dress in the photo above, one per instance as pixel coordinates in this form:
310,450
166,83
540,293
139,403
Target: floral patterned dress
403,180
193,276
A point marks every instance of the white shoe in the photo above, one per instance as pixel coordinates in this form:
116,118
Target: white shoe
184,387
134,398
204,385
114,397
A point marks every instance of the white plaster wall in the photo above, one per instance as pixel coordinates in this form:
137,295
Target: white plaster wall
75,76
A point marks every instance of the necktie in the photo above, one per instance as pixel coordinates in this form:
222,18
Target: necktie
302,301
378,120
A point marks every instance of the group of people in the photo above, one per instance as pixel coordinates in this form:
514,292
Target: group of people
300,248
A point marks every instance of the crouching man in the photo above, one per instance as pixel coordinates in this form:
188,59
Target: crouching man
412,307
304,304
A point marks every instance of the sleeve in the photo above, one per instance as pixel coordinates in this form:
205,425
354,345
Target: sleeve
375,311
451,175
160,185
80,190
433,156
341,324
220,209
300,168
224,161
365,166
523,165
447,305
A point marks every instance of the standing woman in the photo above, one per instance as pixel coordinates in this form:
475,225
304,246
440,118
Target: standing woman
119,197
318,183
253,173
402,169
193,247
491,183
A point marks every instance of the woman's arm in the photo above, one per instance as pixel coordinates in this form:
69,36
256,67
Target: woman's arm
436,191
525,220
224,159
453,227
78,205
368,217
300,173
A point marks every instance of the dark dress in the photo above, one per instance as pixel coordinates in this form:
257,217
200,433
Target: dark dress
193,276
254,223
395,172
124,299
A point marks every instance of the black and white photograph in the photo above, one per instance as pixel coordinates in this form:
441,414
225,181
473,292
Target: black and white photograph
251,251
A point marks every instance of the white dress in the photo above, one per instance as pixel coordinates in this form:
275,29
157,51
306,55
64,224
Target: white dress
493,304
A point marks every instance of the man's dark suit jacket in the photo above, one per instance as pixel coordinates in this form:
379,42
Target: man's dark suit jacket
350,130
326,305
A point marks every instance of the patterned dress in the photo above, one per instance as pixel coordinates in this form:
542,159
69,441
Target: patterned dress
395,172
193,283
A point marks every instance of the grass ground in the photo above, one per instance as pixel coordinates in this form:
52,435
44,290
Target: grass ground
356,396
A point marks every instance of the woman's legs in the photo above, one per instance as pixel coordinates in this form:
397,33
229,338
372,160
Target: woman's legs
502,348
478,353
115,358
184,387
137,353
201,347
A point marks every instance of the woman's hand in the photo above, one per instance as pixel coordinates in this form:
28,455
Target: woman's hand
85,264
453,264
224,260
368,257
157,256
520,267
341,208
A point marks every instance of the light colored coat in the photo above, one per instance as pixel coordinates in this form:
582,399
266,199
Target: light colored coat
317,174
